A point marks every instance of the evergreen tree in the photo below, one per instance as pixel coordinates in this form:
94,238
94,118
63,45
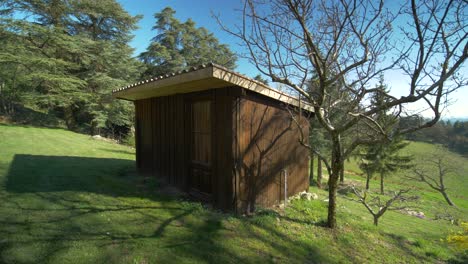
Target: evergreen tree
259,78
386,157
69,56
178,45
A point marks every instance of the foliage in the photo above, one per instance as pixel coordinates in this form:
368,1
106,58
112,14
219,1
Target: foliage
259,78
453,135
66,57
460,239
129,140
178,45
383,157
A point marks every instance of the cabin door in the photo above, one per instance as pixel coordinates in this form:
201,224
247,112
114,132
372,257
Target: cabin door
201,148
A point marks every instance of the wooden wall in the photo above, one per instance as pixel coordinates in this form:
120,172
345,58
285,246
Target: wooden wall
163,142
267,140
253,142
160,138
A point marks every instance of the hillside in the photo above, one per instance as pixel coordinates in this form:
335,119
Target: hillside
67,198
457,183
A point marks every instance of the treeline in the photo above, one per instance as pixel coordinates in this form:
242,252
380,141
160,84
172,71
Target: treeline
453,135
63,59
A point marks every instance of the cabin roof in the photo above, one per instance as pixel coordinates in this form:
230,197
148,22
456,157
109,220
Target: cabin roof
203,77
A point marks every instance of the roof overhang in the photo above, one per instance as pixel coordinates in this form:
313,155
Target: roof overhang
201,78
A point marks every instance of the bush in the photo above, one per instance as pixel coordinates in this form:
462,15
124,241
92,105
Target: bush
460,239
129,140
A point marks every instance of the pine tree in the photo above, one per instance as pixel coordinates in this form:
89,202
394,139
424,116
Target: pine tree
178,45
69,56
386,157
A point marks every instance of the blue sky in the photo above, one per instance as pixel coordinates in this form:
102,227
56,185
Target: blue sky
201,12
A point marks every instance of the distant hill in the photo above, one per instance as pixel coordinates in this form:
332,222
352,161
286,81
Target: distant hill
454,119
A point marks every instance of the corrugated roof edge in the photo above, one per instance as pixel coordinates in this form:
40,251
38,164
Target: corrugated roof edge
156,78
303,104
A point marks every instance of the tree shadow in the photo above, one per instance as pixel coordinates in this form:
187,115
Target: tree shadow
292,248
74,222
406,245
52,203
269,149
56,207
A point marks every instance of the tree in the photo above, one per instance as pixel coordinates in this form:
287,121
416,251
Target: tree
433,170
68,56
319,144
377,208
259,78
319,172
383,157
319,141
350,43
37,63
178,45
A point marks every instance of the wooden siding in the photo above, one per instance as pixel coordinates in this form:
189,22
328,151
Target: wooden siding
222,147
253,140
268,147
163,136
160,138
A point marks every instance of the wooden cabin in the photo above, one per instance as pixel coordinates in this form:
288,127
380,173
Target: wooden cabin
220,136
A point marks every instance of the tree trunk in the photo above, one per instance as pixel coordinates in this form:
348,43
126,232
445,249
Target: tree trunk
342,174
442,184
382,184
69,118
336,166
319,173
94,130
311,169
3,104
367,181
376,220
447,198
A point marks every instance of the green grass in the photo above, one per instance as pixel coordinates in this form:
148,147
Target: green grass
431,200
66,198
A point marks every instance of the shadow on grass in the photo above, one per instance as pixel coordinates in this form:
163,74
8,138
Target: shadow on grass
406,246
58,209
118,151
36,173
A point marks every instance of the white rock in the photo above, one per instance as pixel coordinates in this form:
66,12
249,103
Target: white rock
309,196
305,196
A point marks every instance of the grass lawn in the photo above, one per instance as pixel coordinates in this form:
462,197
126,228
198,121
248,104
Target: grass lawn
66,198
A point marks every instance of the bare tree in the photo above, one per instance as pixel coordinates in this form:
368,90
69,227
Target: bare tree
377,207
348,44
433,170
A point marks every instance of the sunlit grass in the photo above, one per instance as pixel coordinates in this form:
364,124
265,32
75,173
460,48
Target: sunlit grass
66,198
